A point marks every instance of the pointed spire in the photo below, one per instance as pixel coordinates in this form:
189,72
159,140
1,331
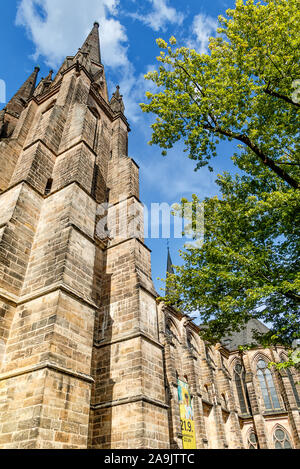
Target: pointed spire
44,84
116,101
170,269
91,45
17,103
88,57
49,76
117,93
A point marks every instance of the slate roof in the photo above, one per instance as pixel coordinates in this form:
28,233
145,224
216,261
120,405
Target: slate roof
245,336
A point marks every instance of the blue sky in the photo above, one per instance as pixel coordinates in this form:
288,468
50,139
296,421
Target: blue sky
43,32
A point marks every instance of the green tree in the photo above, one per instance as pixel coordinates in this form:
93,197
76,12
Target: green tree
243,90
248,264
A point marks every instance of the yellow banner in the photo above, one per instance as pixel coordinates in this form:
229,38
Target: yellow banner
186,416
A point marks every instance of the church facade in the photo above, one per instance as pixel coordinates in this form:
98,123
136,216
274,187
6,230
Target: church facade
88,357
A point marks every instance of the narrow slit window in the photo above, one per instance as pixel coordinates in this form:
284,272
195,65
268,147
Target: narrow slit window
48,186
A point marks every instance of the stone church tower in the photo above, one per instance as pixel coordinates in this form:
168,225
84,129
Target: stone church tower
80,360
87,357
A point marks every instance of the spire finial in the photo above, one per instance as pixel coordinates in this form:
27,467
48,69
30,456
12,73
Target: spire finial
117,93
49,76
96,24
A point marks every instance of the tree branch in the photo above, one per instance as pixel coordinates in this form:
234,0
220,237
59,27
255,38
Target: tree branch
280,96
245,139
264,158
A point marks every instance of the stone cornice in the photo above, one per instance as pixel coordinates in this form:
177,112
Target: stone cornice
126,241
130,400
15,301
124,338
46,365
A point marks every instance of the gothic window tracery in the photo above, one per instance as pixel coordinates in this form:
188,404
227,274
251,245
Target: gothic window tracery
291,379
267,385
240,383
281,439
252,442
295,392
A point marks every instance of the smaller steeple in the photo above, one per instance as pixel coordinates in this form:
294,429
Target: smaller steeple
49,76
44,84
116,101
170,269
18,102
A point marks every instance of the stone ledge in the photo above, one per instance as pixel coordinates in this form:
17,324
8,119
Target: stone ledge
129,337
46,365
272,413
23,181
17,301
130,400
124,200
245,416
35,142
126,241
74,145
9,297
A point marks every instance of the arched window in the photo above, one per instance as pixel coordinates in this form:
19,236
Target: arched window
240,383
281,439
291,379
267,386
289,373
252,440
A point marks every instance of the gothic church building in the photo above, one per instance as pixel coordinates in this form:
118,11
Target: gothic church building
88,357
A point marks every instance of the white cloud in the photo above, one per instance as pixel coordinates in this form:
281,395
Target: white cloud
160,15
173,177
56,26
203,28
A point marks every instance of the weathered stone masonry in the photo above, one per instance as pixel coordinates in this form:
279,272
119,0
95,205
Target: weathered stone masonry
85,359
